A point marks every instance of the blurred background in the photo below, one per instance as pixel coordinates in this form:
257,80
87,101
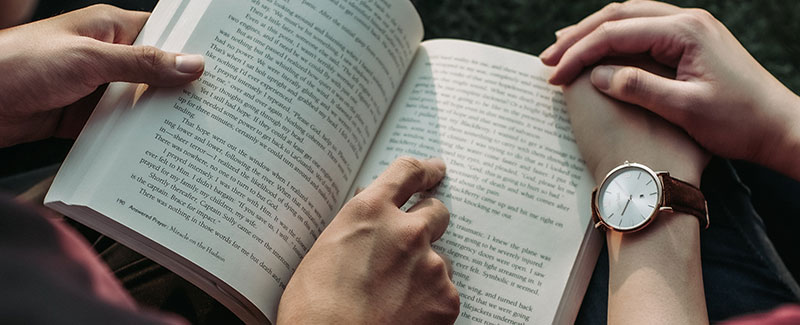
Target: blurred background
769,29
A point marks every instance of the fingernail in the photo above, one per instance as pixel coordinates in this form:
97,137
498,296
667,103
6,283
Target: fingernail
601,77
189,63
561,31
547,52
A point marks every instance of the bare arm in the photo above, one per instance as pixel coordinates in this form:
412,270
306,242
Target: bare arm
655,274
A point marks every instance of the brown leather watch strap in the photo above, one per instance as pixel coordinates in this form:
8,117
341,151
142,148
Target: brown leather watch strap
684,197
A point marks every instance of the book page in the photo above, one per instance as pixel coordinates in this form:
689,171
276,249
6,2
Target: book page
240,171
516,187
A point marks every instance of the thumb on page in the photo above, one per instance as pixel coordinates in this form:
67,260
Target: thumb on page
146,64
666,97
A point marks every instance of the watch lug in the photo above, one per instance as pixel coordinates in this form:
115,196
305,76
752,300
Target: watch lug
600,226
667,209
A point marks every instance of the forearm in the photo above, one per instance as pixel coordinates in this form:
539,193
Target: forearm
655,275
782,151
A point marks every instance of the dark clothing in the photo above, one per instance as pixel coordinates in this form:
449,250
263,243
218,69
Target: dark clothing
50,276
154,286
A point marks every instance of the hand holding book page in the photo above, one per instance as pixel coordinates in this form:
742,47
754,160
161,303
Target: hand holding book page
516,186
291,98
71,56
374,264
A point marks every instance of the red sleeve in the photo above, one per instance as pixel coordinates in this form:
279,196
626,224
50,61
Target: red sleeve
50,275
789,314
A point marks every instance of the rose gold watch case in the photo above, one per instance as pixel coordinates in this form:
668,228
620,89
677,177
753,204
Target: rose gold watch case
600,222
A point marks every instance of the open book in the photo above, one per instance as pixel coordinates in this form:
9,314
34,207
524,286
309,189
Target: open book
229,181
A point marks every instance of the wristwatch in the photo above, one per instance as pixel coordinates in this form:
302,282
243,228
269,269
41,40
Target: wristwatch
633,195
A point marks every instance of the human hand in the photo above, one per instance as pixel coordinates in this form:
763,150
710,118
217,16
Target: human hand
374,263
720,95
49,64
665,257
609,132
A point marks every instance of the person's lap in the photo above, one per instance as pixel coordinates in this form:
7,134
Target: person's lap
154,286
742,272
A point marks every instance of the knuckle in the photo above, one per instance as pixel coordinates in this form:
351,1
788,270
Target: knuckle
364,205
696,20
83,53
606,28
701,14
102,8
437,265
439,206
451,303
412,235
631,81
150,58
612,9
104,13
412,167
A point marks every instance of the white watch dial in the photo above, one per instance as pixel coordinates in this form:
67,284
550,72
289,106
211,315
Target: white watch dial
629,197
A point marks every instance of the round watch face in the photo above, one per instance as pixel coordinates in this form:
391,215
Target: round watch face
629,197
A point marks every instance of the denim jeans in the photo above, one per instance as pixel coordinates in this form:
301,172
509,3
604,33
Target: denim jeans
742,272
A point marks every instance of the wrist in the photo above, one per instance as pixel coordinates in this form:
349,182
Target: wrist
660,270
780,148
678,168
675,234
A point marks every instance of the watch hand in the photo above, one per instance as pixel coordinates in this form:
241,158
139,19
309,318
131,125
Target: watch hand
626,204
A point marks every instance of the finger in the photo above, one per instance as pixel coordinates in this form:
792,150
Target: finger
109,24
564,31
614,11
144,64
448,264
434,214
129,26
630,36
666,97
406,176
